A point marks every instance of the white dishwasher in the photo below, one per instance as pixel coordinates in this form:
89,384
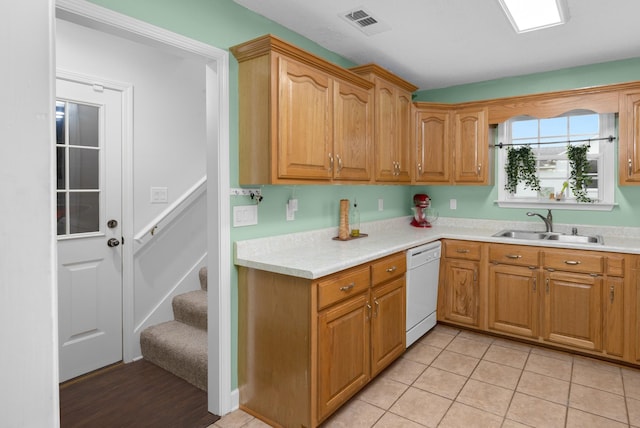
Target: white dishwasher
423,268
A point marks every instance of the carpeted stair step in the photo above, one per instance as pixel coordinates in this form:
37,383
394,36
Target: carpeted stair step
178,348
191,308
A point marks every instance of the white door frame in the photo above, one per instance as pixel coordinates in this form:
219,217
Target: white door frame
218,203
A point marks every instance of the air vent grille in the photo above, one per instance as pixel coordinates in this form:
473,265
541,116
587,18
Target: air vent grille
362,20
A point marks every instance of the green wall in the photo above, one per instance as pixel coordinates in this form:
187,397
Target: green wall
223,23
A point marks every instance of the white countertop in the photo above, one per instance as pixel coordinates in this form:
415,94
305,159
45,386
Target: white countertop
315,254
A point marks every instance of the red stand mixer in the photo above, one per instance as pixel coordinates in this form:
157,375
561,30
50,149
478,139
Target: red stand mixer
422,203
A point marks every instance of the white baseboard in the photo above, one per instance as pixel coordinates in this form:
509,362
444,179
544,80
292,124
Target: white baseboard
235,399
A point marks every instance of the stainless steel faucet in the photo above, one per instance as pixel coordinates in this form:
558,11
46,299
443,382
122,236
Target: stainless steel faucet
548,221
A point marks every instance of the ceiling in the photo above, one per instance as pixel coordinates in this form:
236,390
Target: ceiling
442,43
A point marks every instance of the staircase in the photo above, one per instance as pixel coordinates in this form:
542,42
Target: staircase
180,346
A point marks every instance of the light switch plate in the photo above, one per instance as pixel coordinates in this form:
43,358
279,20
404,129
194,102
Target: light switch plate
245,215
159,195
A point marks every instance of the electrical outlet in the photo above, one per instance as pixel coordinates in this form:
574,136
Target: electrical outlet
380,204
453,204
290,213
245,215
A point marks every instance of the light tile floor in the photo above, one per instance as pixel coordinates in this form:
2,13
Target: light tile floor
453,378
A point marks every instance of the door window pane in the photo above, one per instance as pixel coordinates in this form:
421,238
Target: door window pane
84,212
83,168
83,125
60,113
61,167
61,214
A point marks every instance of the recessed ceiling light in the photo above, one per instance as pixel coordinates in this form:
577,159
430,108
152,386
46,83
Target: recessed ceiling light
530,15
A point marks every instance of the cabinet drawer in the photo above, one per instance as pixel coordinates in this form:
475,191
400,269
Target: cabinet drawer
389,267
574,261
615,265
466,250
342,285
514,255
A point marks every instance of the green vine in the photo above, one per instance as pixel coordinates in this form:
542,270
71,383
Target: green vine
521,168
578,178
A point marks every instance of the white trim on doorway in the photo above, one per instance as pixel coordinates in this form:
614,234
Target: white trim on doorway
219,241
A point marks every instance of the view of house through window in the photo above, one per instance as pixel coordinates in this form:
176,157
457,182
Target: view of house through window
549,141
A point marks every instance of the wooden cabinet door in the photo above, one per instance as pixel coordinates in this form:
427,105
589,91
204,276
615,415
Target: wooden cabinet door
353,120
513,300
392,133
634,331
471,156
385,132
304,122
573,309
629,141
403,136
614,320
388,321
460,291
432,147
343,352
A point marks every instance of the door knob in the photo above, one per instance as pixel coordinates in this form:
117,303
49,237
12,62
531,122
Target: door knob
112,223
113,242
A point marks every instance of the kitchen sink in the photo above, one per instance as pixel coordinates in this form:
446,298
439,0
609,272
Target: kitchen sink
550,236
579,239
521,234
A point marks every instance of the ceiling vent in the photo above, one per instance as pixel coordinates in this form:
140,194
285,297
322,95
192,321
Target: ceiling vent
363,21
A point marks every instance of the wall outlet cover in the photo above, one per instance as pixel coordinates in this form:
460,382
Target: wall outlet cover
245,215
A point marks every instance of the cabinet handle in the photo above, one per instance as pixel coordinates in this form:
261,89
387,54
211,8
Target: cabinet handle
547,285
513,256
330,162
375,314
475,275
339,163
391,269
419,169
368,311
535,283
462,250
572,262
611,293
630,167
479,168
347,287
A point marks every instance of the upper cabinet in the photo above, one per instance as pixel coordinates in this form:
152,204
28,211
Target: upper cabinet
629,138
471,145
392,127
432,145
451,145
302,119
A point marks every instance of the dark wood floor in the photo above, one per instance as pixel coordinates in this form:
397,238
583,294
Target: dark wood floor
139,394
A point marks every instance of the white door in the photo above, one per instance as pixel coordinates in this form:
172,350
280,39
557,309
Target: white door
89,145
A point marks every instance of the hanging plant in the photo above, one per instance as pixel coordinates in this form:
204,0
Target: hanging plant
521,168
578,178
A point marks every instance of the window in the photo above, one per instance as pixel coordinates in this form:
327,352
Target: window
548,139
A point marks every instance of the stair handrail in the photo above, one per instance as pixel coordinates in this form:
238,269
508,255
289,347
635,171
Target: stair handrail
166,217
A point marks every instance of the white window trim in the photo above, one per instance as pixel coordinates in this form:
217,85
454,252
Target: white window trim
606,168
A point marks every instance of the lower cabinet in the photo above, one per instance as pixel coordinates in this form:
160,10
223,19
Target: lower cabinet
343,352
307,346
513,300
573,310
459,288
574,299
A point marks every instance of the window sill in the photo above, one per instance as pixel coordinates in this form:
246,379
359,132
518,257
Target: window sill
557,205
